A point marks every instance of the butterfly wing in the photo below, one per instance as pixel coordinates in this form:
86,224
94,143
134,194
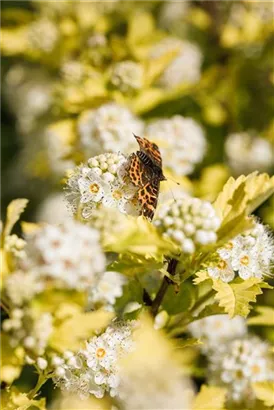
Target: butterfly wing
148,198
135,170
150,149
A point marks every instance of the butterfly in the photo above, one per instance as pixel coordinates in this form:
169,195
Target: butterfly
145,172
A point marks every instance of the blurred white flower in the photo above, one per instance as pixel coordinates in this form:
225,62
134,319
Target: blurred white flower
94,369
43,35
53,209
15,245
69,254
21,287
109,128
28,91
246,153
105,289
127,76
172,14
182,142
217,329
190,222
29,329
185,68
239,363
248,255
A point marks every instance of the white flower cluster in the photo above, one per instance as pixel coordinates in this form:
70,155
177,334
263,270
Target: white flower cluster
101,183
109,128
43,35
217,329
190,222
15,245
182,142
239,363
28,329
127,76
185,68
53,209
172,14
105,289
94,370
69,254
248,153
29,94
21,287
250,255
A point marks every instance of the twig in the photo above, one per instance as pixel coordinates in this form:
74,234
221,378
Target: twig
171,268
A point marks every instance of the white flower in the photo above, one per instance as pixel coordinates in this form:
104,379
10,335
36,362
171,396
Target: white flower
21,287
127,76
43,35
185,68
182,142
190,222
248,255
248,153
223,270
106,288
94,369
70,254
109,128
239,363
102,183
216,329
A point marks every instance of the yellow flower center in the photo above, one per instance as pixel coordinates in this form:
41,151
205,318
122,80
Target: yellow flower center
94,188
244,260
117,195
100,352
229,245
222,265
255,369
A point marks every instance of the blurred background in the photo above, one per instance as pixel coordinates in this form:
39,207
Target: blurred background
79,77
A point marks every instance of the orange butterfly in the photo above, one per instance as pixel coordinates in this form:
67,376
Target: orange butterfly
145,172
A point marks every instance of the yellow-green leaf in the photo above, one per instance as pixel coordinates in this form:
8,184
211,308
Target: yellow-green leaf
12,360
210,398
200,277
264,391
77,327
14,210
13,399
236,297
265,316
238,199
140,28
156,66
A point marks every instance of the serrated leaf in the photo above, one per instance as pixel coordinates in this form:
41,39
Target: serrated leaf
200,277
264,317
236,297
14,210
78,327
238,199
210,398
264,391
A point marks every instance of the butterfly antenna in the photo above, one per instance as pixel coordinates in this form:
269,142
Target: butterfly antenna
171,191
173,180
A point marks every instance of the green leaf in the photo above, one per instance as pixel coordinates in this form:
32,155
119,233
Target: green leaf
200,277
264,391
14,210
265,316
238,199
13,399
76,326
140,27
156,66
210,398
236,297
132,292
181,301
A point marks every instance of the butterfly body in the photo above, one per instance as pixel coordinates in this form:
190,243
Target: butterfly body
145,172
